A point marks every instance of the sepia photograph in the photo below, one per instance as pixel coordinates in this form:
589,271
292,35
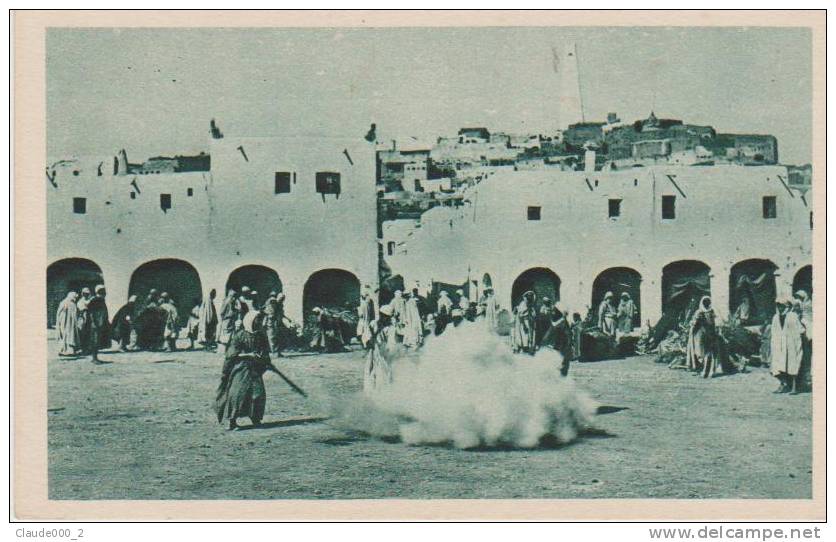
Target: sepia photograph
429,262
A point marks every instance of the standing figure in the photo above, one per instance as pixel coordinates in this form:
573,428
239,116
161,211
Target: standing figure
192,323
625,314
606,315
84,333
524,334
413,327
150,325
561,335
99,324
804,308
786,347
378,371
543,320
207,321
367,316
172,324
444,310
463,307
66,322
701,350
139,334
247,301
122,324
327,331
241,391
398,309
490,308
230,313
742,312
577,331
272,322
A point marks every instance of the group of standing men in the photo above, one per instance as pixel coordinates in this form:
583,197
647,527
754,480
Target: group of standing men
787,342
404,322
82,323
616,321
273,320
154,323
545,324
84,326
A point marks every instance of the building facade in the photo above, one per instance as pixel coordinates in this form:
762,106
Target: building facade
295,214
647,231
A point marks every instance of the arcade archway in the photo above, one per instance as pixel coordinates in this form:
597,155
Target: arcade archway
803,280
69,275
618,280
335,289
260,278
178,278
752,291
542,281
684,282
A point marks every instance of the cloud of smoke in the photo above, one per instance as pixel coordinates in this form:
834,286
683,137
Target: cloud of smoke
467,388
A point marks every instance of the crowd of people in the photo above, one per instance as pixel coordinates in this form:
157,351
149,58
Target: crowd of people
82,323
250,333
786,342
154,323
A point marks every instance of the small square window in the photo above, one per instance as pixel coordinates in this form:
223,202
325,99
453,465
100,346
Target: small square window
770,207
327,182
534,213
133,195
282,183
668,207
80,206
165,202
614,210
189,192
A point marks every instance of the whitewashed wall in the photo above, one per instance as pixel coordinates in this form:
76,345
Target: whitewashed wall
718,221
233,218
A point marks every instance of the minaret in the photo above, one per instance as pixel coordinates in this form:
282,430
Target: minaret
569,98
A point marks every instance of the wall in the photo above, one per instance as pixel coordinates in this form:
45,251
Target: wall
719,222
232,219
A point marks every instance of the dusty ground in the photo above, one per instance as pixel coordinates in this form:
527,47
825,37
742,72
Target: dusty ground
142,428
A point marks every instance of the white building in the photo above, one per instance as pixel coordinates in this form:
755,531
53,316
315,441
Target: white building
572,233
295,214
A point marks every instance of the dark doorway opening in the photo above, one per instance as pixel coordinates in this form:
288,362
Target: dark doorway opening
752,291
69,275
618,280
260,278
542,281
176,277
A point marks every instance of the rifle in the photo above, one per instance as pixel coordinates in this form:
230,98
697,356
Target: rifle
290,383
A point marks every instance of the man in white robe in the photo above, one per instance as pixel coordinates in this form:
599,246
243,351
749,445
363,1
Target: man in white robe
413,327
84,326
490,308
172,324
398,309
367,312
66,322
207,323
786,347
607,314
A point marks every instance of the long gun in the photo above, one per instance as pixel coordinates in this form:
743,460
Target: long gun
290,382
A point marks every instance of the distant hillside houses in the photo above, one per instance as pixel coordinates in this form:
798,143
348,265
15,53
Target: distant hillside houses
610,145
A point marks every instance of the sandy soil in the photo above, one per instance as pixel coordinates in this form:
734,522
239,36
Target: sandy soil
142,428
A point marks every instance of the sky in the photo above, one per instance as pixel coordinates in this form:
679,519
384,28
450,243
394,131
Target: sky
154,91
